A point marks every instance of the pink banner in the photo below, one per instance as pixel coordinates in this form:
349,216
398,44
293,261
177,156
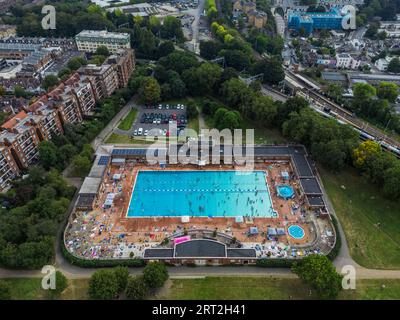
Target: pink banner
181,239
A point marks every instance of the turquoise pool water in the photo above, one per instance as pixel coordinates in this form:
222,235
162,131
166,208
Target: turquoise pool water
285,191
296,232
200,194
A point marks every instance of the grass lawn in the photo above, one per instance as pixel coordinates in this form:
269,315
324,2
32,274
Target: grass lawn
126,123
260,288
31,289
228,288
360,207
123,139
194,124
262,135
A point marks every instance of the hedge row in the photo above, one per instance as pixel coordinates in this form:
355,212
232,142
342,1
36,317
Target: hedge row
97,263
275,263
335,251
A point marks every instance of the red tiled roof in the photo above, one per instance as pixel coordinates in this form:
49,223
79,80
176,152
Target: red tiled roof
14,120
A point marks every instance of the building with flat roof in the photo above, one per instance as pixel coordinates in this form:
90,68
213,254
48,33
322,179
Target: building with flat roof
35,63
8,167
124,61
104,78
310,21
20,136
90,40
17,50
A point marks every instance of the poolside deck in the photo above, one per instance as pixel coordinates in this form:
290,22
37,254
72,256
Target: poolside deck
104,228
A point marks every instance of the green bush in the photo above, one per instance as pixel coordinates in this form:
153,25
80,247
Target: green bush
136,288
274,263
61,283
122,274
103,285
155,274
5,290
335,251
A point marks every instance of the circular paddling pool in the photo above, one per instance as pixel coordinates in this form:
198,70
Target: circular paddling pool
296,232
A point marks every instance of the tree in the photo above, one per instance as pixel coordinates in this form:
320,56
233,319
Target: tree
155,274
102,51
264,109
230,120
3,116
103,285
365,150
2,91
64,73
319,272
165,48
335,92
49,82
47,154
81,165
122,274
136,288
147,42
179,61
295,104
237,94
394,65
391,186
271,68
75,63
209,49
172,29
149,91
236,59
363,95
176,85
61,283
388,91
155,24
5,290
191,110
202,80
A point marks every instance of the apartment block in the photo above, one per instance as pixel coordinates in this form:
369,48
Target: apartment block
20,136
83,90
124,61
104,79
8,168
90,40
44,114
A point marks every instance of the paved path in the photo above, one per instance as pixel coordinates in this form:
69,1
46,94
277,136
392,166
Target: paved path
202,123
112,124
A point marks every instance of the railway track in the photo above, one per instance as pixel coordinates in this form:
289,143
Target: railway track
309,91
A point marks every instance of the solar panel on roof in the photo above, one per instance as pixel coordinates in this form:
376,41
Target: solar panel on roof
103,160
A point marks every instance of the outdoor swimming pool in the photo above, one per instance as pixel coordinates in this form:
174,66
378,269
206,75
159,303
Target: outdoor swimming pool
200,194
296,231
